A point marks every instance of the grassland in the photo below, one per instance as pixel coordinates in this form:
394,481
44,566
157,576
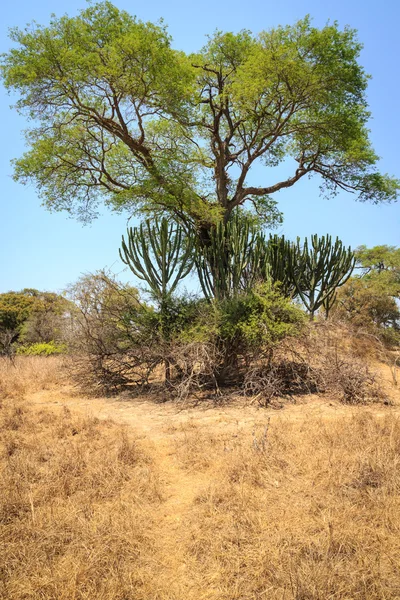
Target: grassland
133,500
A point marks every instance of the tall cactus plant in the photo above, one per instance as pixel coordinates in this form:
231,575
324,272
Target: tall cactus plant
160,253
318,269
276,255
231,261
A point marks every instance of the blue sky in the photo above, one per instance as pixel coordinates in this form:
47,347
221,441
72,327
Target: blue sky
48,251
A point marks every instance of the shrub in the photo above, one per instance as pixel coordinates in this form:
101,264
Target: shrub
367,305
283,377
42,349
350,378
327,358
230,335
31,317
259,319
119,341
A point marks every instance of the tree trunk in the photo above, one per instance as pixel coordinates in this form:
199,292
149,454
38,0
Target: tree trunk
167,371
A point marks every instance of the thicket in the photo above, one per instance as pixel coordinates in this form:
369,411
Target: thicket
248,332
370,299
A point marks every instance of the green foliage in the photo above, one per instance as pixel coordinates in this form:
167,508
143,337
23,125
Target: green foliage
118,340
369,299
42,349
237,257
15,308
236,331
117,114
258,319
30,316
367,305
380,265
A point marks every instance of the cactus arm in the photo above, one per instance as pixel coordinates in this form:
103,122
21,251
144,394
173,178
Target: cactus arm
153,252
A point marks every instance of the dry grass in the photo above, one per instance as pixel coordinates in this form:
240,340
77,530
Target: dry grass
291,508
77,497
27,374
298,512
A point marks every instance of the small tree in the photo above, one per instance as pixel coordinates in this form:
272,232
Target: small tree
367,305
107,334
380,265
30,316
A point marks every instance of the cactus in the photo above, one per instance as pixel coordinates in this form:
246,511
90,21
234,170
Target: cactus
159,254
277,254
238,256
329,302
318,269
230,262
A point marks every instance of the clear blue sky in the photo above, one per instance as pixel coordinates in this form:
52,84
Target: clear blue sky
48,251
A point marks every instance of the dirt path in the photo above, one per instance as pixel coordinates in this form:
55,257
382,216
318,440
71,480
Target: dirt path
158,420
161,429
161,426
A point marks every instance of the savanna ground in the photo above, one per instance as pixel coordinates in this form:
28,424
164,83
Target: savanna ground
130,499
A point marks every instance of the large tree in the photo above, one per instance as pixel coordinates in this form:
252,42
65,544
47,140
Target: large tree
117,114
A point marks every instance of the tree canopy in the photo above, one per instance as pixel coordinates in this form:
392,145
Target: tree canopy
380,265
366,304
117,114
30,316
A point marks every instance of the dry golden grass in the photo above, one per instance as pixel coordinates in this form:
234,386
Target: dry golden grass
77,498
291,508
27,374
302,511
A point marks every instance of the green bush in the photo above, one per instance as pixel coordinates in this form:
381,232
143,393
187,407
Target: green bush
42,349
260,318
242,329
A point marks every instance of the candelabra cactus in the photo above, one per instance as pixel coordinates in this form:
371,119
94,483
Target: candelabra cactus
279,257
318,269
231,261
160,253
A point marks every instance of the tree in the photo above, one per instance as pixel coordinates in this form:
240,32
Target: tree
366,304
381,266
161,255
118,114
108,335
30,316
369,300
